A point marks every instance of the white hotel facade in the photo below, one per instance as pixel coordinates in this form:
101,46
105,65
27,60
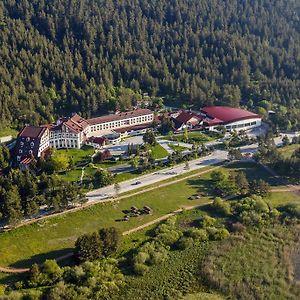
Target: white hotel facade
74,132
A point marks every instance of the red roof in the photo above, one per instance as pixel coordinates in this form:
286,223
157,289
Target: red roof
97,140
120,116
228,114
76,124
185,117
213,122
32,131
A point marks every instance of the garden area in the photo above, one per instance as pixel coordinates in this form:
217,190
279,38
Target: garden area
177,148
194,137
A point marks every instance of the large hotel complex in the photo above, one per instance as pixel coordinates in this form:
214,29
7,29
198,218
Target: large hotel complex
76,131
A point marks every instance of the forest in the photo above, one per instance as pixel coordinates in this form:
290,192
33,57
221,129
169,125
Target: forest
93,56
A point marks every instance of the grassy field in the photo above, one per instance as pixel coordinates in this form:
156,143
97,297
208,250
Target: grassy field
254,265
287,151
77,155
159,152
196,136
55,236
71,176
7,132
177,148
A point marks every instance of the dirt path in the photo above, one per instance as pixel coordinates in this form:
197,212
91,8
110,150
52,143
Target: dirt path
162,218
13,270
287,189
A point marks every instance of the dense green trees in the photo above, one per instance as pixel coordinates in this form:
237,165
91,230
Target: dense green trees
64,56
22,194
90,247
90,280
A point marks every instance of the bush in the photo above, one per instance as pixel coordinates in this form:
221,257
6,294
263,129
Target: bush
221,206
150,253
221,234
184,243
140,269
197,234
218,233
168,238
207,221
141,257
237,227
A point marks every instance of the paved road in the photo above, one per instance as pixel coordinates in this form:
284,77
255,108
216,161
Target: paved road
126,186
217,156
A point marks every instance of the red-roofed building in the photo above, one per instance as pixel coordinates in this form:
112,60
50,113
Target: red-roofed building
68,133
96,142
230,117
75,131
186,119
32,141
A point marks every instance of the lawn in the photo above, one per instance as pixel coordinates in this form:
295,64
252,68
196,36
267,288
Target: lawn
8,132
196,136
77,155
287,151
283,198
71,176
177,148
159,152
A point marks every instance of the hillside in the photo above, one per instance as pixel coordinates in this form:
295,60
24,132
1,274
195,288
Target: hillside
62,56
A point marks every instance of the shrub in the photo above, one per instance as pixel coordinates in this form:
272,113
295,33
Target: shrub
150,253
199,234
221,206
184,243
207,221
221,234
168,238
237,227
140,269
141,257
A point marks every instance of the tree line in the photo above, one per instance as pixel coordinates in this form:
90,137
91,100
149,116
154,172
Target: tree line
94,56
23,193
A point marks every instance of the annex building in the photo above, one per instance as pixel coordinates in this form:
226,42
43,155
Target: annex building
230,117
